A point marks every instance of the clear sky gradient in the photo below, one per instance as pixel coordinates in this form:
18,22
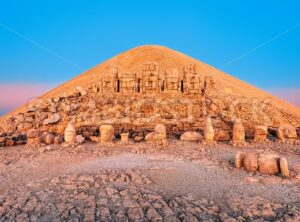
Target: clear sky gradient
45,43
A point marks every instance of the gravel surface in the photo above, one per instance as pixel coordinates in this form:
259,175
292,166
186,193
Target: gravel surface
183,182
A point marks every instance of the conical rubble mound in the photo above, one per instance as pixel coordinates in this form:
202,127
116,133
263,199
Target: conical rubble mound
148,85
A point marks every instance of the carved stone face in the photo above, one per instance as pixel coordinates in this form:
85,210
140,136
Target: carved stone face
107,133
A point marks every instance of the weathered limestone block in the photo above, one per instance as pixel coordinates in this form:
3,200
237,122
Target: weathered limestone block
128,82
58,140
191,136
70,134
33,138
81,90
108,81
239,158
222,135
54,118
172,80
260,133
138,139
191,79
286,132
23,127
107,133
161,131
250,162
9,142
238,133
209,85
284,169
124,137
209,133
79,139
268,164
150,78
94,139
49,139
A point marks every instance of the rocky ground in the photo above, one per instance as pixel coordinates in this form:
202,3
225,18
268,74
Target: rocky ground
184,182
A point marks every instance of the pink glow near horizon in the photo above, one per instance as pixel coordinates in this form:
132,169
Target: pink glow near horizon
13,95
290,95
16,94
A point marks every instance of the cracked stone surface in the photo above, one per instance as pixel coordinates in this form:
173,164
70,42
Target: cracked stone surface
184,182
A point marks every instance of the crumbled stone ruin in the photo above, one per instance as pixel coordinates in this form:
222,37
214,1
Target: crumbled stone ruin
183,101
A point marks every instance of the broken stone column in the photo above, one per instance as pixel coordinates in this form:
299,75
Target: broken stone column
260,133
209,133
238,134
107,133
70,134
33,138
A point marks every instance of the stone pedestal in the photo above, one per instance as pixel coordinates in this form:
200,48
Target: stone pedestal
124,137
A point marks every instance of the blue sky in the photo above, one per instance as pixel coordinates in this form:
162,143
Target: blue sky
48,42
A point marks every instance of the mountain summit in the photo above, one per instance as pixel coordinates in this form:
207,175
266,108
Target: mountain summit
148,85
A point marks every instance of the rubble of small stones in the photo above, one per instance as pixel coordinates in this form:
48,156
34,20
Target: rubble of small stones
125,196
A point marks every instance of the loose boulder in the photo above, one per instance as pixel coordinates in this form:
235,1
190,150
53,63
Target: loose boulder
191,136
286,132
222,135
54,118
79,139
268,164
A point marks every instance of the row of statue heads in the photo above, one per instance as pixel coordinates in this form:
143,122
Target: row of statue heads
152,80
